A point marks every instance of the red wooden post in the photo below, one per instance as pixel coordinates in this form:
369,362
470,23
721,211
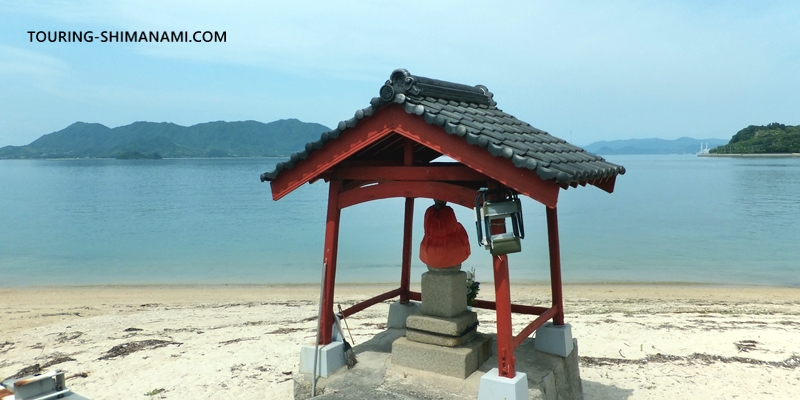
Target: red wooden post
502,294
555,264
505,340
408,223
329,260
405,274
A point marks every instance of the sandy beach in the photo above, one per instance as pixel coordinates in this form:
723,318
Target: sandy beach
188,342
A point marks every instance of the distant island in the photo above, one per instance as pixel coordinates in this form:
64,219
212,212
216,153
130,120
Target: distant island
156,140
772,139
684,145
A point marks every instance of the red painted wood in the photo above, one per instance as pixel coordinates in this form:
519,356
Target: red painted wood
433,190
408,223
393,118
329,260
491,305
403,173
477,158
505,344
555,265
515,308
405,273
370,302
607,184
536,324
334,151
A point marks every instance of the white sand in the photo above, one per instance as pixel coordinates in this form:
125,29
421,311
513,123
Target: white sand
243,342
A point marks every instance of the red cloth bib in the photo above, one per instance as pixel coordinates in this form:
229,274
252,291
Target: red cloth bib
446,243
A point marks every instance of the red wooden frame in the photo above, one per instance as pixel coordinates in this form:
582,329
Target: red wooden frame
450,173
352,184
393,118
329,260
410,189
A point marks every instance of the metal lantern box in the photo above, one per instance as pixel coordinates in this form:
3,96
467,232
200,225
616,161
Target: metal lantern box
506,205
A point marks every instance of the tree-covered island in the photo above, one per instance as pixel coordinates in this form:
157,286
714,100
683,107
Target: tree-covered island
774,138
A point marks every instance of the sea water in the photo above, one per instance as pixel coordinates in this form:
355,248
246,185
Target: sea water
675,218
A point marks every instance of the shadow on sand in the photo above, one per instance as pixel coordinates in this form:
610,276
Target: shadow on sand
598,391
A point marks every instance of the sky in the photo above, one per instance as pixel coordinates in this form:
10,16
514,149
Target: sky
582,70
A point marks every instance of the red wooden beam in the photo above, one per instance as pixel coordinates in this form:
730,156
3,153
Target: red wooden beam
333,152
536,324
355,184
329,260
515,308
403,173
370,302
555,264
606,184
503,170
491,305
433,190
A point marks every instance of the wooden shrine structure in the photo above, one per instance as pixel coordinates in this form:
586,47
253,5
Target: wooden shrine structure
386,150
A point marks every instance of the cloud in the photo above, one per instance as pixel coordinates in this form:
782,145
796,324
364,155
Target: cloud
38,69
603,70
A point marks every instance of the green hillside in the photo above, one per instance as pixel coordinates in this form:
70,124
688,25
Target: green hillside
773,138
212,139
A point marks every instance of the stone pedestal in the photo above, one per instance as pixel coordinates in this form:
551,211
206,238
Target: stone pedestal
459,362
442,331
443,337
444,292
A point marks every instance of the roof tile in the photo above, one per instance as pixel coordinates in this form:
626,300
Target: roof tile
471,112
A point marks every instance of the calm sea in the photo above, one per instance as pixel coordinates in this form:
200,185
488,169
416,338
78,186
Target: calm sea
671,219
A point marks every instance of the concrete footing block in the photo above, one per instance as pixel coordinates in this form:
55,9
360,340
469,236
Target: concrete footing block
330,359
399,312
554,339
493,386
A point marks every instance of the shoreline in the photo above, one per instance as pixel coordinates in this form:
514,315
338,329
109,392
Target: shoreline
415,285
753,155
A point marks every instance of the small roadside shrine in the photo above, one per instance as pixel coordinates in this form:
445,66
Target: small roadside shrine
387,150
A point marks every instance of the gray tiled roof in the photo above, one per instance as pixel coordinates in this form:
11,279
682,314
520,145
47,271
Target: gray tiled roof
471,113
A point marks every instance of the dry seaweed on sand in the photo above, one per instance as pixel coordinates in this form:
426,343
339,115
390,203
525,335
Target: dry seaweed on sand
56,358
791,362
29,370
125,349
49,361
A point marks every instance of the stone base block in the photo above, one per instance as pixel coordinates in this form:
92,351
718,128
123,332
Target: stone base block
444,326
493,386
458,362
439,340
330,359
444,294
554,339
398,313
